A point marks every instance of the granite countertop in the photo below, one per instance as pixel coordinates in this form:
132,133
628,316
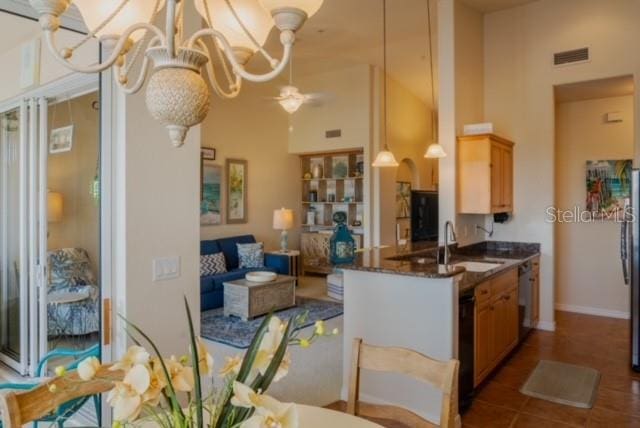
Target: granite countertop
420,259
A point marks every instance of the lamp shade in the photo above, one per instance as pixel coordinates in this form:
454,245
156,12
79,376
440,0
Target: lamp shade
54,207
310,7
435,151
253,17
385,159
283,219
95,12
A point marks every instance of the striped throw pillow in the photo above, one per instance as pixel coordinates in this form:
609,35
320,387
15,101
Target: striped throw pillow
212,264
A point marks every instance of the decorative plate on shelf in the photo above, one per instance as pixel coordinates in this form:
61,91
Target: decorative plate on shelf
261,276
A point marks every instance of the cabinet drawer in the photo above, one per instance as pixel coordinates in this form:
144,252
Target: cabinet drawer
483,293
504,282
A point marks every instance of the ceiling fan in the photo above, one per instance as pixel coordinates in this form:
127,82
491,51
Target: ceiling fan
290,98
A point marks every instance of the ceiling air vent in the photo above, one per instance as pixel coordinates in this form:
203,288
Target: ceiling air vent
574,56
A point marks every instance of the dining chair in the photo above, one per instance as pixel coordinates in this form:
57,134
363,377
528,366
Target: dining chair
65,406
441,374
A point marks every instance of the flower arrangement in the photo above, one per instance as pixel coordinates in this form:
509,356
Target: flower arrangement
169,392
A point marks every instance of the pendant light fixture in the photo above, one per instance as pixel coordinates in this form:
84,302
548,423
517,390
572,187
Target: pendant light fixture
435,150
385,157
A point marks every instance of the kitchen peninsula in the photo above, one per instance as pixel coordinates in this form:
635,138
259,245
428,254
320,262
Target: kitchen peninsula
403,297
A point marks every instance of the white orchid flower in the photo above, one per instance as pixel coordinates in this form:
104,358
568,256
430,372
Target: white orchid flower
283,369
181,376
205,360
272,414
88,368
126,396
134,355
157,383
268,347
244,396
232,365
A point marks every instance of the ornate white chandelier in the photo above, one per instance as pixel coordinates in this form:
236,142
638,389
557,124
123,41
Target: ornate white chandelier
177,94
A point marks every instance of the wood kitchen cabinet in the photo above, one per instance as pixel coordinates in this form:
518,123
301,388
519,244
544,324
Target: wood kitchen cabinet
535,290
485,174
496,322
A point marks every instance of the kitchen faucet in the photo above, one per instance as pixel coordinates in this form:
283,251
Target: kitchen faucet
449,230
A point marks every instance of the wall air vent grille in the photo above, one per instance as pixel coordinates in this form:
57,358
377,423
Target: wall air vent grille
571,57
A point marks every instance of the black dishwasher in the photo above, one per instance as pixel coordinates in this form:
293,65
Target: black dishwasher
466,319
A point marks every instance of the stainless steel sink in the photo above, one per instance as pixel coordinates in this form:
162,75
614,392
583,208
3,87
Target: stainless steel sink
472,266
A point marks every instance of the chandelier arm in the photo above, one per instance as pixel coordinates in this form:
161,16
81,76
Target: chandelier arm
287,39
213,80
118,50
141,75
171,27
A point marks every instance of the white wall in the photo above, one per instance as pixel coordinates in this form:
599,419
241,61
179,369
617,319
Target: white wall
519,80
345,105
588,272
460,101
469,94
255,128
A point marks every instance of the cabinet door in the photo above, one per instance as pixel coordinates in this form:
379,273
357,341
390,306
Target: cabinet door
507,179
496,177
535,291
483,339
512,320
497,336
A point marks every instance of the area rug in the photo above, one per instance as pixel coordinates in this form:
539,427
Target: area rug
563,384
235,332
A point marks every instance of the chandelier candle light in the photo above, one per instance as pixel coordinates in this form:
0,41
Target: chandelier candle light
177,94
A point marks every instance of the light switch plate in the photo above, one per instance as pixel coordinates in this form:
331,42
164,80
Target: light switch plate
165,268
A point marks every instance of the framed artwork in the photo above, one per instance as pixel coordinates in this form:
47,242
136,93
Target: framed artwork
236,191
61,139
208,153
403,199
608,186
210,194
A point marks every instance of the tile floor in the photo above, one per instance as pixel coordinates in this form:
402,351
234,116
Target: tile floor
601,343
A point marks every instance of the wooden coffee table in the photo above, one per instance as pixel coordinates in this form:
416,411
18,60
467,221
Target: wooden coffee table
248,300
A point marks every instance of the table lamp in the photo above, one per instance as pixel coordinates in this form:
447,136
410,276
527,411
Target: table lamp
54,207
283,221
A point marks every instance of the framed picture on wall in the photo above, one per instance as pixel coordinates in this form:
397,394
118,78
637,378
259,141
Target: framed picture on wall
208,153
236,185
403,199
61,139
210,194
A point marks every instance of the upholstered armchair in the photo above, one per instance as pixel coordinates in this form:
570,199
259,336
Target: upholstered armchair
72,295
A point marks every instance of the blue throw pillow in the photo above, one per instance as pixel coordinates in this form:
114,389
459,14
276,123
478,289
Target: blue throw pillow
212,264
251,255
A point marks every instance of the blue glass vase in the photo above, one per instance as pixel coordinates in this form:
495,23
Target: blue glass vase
342,246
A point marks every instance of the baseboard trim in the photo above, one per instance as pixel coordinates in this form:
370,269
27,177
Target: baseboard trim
546,325
592,311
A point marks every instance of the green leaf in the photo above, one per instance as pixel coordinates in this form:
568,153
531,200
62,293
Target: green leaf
175,405
195,361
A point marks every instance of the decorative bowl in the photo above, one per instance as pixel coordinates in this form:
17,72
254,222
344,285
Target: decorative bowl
261,276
